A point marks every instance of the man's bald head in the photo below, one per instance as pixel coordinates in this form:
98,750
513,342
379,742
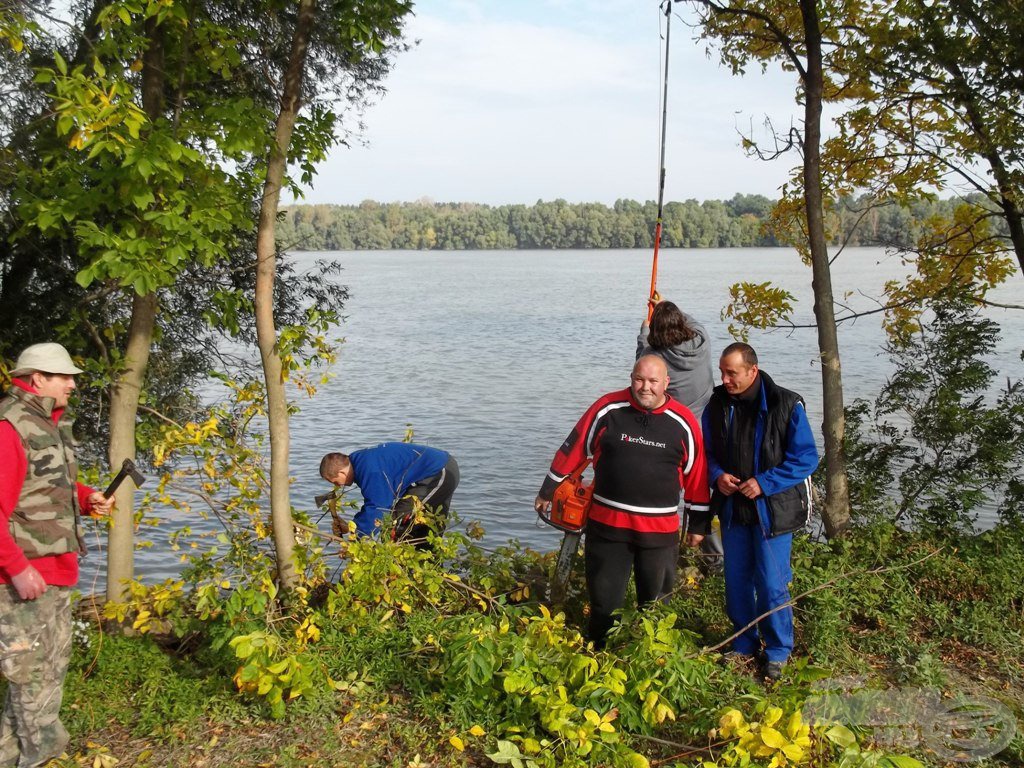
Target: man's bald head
649,381
651,360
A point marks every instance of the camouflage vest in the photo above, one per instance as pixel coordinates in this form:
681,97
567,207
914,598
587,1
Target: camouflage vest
45,520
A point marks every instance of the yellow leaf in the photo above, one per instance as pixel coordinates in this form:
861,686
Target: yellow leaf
772,715
476,730
773,738
793,752
730,721
795,723
457,743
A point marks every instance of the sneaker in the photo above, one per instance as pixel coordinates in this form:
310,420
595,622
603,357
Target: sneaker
773,670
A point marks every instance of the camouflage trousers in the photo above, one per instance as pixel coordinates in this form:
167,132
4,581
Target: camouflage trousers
35,647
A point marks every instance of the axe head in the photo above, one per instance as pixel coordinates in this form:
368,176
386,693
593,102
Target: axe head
323,498
129,468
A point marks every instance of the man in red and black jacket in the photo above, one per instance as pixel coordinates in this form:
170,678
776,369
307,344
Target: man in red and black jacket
646,448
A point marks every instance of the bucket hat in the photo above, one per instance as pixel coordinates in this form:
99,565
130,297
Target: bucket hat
49,357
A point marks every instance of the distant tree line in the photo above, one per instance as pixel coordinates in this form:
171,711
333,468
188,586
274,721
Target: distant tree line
736,223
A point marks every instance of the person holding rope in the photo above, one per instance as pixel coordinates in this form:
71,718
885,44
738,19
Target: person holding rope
646,448
761,454
683,344
404,479
40,501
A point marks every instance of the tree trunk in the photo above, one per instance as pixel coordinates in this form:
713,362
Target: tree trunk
124,395
836,514
1006,194
266,268
124,406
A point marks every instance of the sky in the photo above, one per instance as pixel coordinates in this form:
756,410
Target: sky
515,101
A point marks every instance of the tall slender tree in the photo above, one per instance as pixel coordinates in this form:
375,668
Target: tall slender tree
795,35
151,149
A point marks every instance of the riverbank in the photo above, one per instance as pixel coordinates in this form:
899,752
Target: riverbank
403,664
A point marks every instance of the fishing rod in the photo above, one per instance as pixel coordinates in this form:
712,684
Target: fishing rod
661,173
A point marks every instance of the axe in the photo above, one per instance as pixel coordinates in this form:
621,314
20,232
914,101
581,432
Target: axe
323,498
127,470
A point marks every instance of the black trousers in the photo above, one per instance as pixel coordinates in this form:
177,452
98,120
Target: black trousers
608,565
434,494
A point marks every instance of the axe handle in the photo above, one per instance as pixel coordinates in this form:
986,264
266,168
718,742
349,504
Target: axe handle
116,482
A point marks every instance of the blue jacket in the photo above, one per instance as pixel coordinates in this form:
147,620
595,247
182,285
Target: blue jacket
782,465
385,472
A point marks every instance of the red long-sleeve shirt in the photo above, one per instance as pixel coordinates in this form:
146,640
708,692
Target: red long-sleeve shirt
56,570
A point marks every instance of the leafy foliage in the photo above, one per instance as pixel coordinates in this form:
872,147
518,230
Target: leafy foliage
935,436
743,220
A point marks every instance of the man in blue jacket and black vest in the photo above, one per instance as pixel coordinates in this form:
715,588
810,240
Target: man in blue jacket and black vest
413,482
761,454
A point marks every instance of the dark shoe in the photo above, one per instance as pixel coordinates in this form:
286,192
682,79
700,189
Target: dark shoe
773,670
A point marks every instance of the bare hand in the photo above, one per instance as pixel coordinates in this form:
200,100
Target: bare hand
727,484
542,505
100,504
29,584
750,488
694,539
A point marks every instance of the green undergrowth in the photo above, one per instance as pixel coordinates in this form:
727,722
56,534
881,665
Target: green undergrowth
455,659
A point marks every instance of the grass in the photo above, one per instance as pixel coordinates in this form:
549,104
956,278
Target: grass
906,612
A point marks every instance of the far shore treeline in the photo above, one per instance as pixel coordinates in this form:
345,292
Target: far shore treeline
739,222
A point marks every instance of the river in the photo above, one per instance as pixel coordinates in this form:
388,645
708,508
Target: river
493,355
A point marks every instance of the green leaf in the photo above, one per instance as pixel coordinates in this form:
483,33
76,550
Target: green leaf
507,752
841,735
902,761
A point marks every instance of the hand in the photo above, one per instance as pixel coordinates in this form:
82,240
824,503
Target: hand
750,488
727,484
29,584
542,505
100,504
694,539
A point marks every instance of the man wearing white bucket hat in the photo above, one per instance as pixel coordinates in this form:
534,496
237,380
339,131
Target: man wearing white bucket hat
40,501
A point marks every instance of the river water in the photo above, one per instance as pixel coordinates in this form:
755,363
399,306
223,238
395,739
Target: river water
493,356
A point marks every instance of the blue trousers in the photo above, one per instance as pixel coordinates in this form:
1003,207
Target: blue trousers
757,576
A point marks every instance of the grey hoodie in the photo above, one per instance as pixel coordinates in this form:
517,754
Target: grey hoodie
689,366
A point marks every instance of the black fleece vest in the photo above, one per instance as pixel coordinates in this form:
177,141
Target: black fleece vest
789,509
